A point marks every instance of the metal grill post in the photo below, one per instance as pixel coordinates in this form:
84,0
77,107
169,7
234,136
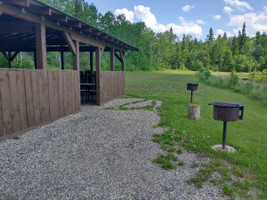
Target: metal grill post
224,135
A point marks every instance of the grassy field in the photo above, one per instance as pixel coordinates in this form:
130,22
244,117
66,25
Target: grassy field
248,136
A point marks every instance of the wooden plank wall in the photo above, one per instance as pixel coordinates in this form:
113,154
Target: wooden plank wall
32,97
112,85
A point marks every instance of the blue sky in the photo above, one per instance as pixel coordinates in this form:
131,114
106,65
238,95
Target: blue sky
193,17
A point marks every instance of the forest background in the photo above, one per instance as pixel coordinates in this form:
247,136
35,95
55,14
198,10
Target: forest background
158,51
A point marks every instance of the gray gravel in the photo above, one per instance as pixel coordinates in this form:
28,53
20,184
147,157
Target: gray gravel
95,154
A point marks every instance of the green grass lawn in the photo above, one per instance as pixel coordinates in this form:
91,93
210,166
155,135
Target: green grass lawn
248,136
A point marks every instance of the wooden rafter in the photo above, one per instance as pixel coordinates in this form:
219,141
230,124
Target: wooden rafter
15,27
17,2
88,29
95,32
76,24
69,42
59,18
40,10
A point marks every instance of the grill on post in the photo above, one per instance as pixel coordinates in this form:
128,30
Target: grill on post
227,112
192,87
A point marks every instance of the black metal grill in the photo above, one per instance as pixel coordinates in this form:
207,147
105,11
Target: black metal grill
227,112
192,87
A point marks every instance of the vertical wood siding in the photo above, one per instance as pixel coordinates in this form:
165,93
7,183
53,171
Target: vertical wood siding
32,97
112,85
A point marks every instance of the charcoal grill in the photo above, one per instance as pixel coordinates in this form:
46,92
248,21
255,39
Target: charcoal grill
192,87
227,112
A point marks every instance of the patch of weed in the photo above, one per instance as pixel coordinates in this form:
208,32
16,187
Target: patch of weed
179,150
110,108
168,161
228,190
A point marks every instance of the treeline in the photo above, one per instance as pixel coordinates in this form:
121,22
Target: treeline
167,51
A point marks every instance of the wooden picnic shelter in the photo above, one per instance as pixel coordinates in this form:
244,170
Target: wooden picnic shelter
31,97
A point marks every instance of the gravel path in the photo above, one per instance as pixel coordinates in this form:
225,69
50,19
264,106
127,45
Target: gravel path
95,154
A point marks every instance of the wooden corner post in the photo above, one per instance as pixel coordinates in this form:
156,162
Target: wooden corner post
122,54
41,61
76,57
112,60
98,55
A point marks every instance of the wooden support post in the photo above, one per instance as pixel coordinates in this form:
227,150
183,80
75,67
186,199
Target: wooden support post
10,57
35,60
98,55
63,64
9,60
91,62
112,60
14,55
76,57
41,46
122,54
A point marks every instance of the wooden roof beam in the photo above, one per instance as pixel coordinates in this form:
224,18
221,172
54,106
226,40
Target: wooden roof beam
105,36
69,42
97,33
60,18
40,10
17,2
87,29
76,24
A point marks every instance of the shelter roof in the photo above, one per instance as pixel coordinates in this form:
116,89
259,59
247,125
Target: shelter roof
40,10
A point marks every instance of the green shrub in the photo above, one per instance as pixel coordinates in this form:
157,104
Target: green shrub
249,88
204,74
233,80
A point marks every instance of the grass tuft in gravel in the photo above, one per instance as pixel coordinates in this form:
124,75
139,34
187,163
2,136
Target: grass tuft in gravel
231,179
168,161
147,107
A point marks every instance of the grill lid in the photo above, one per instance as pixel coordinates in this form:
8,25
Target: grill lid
192,84
227,104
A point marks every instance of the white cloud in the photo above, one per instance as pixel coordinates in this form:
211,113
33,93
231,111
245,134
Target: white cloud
129,15
200,21
144,14
254,22
186,8
186,27
239,5
227,9
217,17
221,32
